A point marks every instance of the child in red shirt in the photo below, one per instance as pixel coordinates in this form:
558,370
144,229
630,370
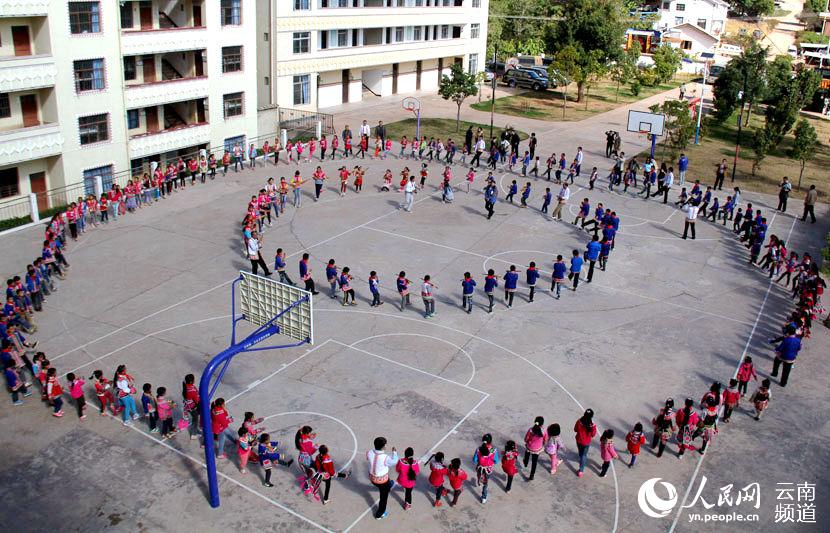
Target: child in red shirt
634,440
325,468
731,398
508,463
437,471
102,391
457,477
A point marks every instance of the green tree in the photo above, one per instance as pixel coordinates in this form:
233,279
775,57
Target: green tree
624,70
679,127
457,87
518,35
755,8
779,74
666,62
804,145
743,81
761,145
595,30
816,6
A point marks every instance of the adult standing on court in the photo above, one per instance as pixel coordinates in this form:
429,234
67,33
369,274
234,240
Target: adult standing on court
380,131
479,149
364,130
379,464
609,142
561,201
255,254
531,143
720,175
468,139
784,194
585,430
682,167
490,197
409,190
668,181
785,354
691,209
810,204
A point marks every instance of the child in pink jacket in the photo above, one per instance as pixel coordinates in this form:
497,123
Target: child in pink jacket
76,390
607,452
408,470
535,439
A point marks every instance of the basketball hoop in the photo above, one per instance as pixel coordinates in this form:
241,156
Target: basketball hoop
411,104
646,133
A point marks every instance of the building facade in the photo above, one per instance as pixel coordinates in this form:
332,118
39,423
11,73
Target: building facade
316,54
97,89
708,15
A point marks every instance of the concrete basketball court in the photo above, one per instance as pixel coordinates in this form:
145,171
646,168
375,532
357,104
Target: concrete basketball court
668,317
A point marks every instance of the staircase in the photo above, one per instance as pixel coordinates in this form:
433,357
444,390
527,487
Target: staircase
168,71
172,119
165,22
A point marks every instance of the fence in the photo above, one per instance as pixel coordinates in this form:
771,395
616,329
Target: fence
19,211
301,124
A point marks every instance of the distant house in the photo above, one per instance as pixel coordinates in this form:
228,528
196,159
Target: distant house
690,38
708,15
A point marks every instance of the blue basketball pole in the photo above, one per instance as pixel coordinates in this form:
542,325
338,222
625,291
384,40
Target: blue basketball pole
653,144
220,363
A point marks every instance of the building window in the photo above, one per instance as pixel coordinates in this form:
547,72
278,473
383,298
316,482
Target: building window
230,142
126,15
475,30
399,34
302,90
265,36
231,12
445,32
93,129
473,64
302,42
231,58
9,182
302,5
129,68
84,17
89,75
132,119
681,7
342,38
678,20
476,3
5,106
666,5
267,80
686,45
92,173
701,23
233,104
417,33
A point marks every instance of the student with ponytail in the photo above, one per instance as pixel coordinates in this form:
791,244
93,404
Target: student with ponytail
408,470
534,443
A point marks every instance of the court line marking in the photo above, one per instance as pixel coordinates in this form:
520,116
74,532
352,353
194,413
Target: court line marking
436,445
457,347
255,492
740,360
314,413
507,350
616,289
145,337
259,382
298,252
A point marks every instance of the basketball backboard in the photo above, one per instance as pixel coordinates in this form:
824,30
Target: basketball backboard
646,122
262,299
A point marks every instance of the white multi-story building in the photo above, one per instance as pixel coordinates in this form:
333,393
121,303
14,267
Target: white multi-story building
708,15
321,53
98,88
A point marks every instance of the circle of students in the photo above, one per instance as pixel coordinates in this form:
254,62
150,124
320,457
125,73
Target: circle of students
685,423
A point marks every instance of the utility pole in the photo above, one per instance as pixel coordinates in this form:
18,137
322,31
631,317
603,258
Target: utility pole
493,93
740,124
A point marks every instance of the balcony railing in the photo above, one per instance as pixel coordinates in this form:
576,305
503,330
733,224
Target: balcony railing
24,8
165,92
25,144
170,139
22,73
159,41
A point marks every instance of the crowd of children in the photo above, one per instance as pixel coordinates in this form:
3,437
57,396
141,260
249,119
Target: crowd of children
165,416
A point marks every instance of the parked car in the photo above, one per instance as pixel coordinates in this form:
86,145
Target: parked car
542,72
498,68
488,75
524,78
714,72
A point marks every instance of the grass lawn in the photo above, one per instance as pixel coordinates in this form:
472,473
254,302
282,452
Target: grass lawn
547,105
443,128
719,143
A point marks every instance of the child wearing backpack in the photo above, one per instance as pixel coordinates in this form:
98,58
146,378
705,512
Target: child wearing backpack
148,404
634,440
485,457
552,447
